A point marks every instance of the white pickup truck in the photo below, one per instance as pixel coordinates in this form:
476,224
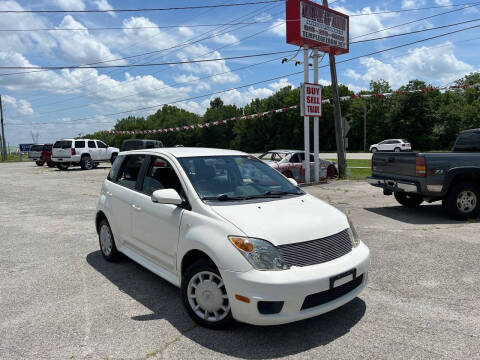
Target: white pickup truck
87,153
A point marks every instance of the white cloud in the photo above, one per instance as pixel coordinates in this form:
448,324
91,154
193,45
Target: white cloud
150,37
104,5
80,46
280,84
410,4
443,2
70,4
192,80
225,39
199,51
16,107
425,63
278,28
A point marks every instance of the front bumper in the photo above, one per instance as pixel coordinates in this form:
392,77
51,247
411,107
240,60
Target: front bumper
394,185
292,287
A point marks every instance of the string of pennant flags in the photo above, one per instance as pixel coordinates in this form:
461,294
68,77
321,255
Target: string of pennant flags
277,111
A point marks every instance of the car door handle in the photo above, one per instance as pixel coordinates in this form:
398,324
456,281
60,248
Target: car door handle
138,208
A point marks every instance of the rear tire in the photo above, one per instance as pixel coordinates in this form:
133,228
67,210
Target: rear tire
463,201
374,150
408,200
397,150
205,302
107,242
39,163
86,163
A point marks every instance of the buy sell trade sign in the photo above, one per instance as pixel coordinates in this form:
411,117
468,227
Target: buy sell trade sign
311,100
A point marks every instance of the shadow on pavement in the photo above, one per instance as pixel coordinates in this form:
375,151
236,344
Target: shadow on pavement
422,215
72,169
240,340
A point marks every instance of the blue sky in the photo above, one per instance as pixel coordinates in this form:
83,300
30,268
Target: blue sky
74,102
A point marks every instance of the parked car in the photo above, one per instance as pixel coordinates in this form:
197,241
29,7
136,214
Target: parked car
87,153
396,145
41,154
453,178
290,164
241,241
137,144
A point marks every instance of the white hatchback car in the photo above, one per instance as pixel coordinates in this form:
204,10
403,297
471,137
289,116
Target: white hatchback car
239,239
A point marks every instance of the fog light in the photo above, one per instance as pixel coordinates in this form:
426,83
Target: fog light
269,307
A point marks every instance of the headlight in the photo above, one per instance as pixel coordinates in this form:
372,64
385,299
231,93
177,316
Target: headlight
353,234
260,253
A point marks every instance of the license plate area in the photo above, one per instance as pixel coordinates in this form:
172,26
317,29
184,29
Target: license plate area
343,278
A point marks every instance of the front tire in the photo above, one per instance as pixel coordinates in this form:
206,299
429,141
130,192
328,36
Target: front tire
86,163
374,150
463,201
408,200
204,295
107,242
39,163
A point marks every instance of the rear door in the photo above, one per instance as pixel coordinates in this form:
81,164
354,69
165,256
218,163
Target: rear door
120,188
62,149
102,150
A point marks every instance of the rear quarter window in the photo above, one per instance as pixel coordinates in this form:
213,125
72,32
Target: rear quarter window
468,142
80,144
63,144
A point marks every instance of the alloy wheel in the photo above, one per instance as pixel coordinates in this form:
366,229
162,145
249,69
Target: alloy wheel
466,201
106,240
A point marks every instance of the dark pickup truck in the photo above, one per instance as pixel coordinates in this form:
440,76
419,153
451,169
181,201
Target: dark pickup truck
452,177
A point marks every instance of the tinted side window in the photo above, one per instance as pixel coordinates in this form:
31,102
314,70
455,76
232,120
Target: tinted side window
468,142
91,145
114,171
62,144
36,148
160,175
130,170
79,144
295,159
101,145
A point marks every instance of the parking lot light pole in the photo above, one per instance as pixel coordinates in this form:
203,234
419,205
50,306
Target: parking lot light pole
316,143
306,120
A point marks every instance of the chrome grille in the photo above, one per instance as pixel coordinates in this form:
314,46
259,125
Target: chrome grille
316,251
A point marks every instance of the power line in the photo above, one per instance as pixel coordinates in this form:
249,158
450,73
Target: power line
414,21
141,10
408,10
251,84
414,32
135,27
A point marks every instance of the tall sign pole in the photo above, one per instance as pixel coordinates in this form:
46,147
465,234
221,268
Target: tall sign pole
306,120
4,146
316,142
337,114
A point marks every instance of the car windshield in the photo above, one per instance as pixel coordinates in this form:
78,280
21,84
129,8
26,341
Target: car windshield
36,148
236,178
273,156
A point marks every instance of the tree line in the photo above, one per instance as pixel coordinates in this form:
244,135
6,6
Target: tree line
430,120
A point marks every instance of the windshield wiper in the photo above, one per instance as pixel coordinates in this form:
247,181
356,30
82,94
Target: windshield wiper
283,193
223,197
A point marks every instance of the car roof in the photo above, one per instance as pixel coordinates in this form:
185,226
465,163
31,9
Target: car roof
180,152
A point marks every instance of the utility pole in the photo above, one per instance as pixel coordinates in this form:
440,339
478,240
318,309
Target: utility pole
4,146
306,120
337,114
364,125
316,143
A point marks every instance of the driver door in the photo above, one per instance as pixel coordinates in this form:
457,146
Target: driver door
156,226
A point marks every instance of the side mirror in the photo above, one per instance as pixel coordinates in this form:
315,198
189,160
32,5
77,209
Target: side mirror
293,181
167,196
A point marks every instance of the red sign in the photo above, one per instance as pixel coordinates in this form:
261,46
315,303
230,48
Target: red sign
315,26
311,100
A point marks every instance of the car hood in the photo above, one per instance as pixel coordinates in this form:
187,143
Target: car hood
285,220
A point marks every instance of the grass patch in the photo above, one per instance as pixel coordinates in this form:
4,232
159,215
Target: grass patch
357,174
15,158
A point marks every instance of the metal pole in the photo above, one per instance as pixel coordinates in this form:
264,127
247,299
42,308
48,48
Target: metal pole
337,114
306,121
316,143
364,125
4,146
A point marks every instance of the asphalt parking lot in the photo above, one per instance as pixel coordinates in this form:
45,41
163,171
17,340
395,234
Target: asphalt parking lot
60,300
